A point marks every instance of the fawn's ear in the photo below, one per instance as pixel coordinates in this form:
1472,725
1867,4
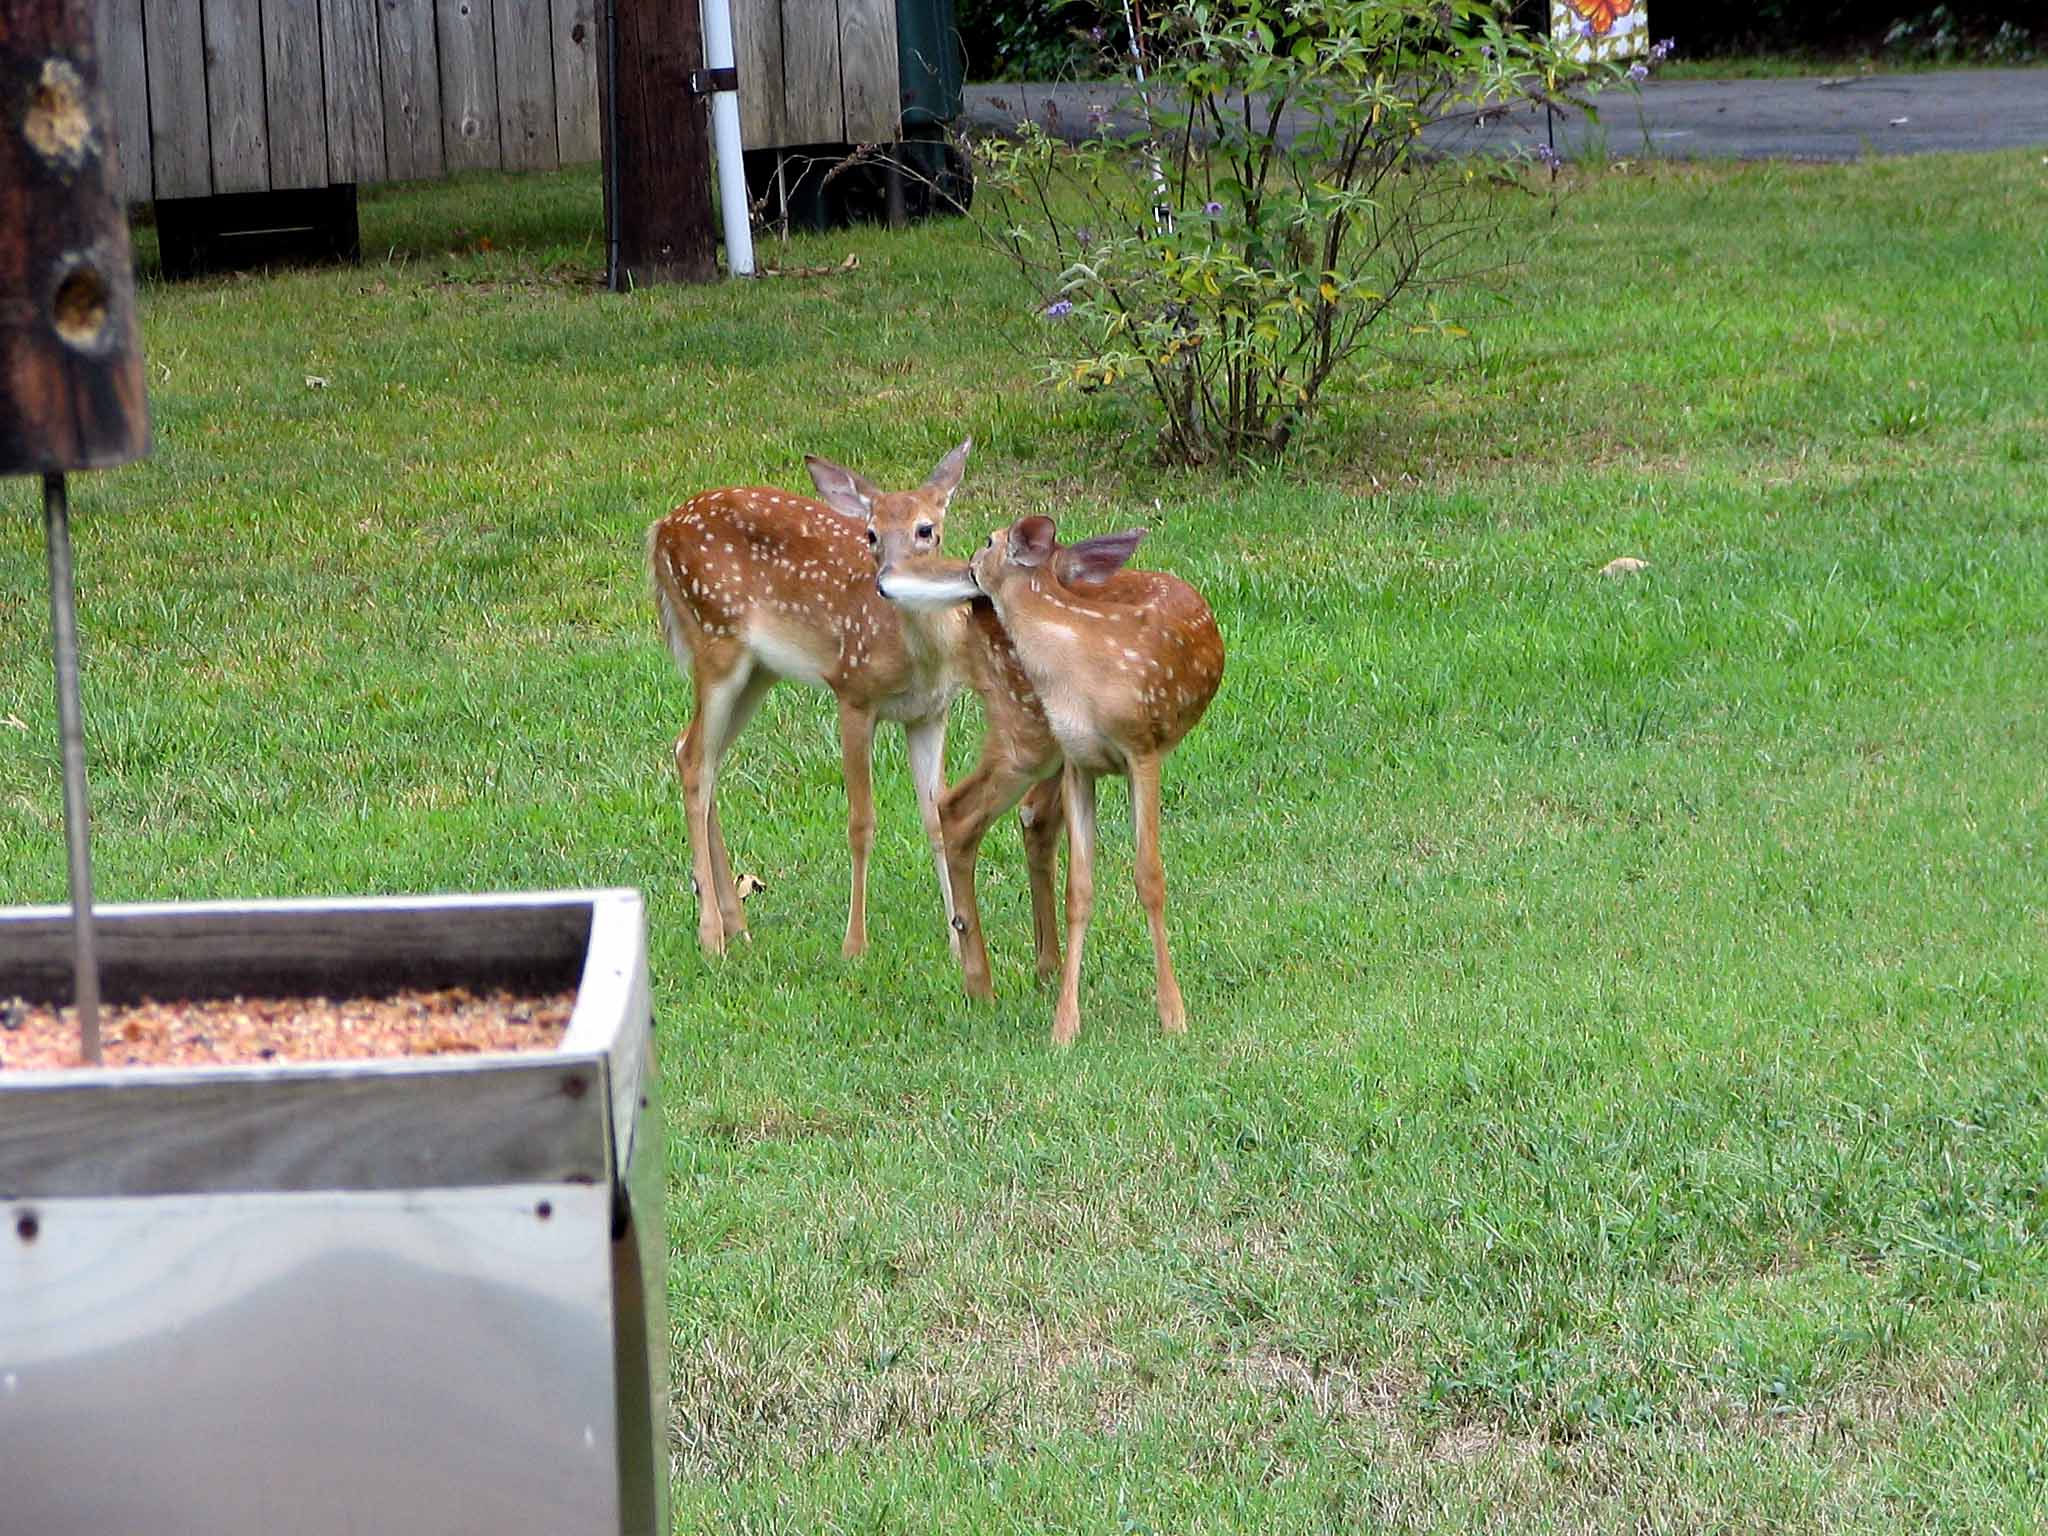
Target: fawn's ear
946,478
844,491
1093,561
1031,541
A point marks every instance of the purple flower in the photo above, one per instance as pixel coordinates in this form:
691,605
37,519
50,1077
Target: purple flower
1084,235
1659,52
1639,72
1585,30
1058,309
1213,208
1545,155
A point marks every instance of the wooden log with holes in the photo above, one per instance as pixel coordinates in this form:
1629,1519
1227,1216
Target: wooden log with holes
71,392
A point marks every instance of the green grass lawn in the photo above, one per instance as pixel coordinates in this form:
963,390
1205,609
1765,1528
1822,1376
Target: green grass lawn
1617,1090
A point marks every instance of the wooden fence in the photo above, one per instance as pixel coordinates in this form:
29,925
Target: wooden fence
266,95
812,72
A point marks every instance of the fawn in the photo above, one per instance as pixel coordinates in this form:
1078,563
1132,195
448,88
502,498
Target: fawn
1123,664
754,584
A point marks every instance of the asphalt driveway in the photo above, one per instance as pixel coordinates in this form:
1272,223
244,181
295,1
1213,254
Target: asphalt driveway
1819,118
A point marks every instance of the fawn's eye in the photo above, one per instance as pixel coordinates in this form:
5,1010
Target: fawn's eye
872,540
924,530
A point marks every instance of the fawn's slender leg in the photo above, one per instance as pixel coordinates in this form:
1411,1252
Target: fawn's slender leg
925,742
856,752
1080,794
1150,868
968,811
731,914
721,681
1042,818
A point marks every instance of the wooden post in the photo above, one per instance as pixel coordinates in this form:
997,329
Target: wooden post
657,145
70,368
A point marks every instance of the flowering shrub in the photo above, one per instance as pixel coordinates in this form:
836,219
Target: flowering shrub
1234,268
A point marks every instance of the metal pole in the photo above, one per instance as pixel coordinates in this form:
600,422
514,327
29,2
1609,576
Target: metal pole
612,280
1162,207
71,734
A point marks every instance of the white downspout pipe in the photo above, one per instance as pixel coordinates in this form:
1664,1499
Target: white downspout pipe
725,143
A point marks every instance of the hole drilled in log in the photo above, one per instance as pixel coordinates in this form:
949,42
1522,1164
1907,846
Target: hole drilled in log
57,126
81,307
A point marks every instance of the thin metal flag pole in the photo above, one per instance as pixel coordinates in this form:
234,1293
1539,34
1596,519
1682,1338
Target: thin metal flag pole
71,734
1162,206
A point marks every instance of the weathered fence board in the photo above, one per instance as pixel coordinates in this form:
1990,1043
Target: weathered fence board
124,78
526,85
576,37
354,98
469,84
180,144
812,109
412,91
867,70
292,95
757,56
234,95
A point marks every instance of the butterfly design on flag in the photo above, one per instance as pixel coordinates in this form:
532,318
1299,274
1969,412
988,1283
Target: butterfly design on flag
1600,15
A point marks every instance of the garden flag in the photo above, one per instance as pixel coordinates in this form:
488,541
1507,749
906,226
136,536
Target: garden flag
1601,30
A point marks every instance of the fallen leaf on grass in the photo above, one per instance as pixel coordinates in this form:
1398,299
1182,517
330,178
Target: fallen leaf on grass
1627,565
747,885
851,264
314,381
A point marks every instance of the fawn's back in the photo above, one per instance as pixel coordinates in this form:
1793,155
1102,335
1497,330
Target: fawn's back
1126,665
786,581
